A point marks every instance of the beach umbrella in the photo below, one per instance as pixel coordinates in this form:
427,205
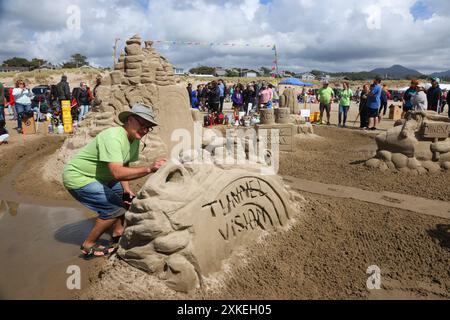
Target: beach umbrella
295,82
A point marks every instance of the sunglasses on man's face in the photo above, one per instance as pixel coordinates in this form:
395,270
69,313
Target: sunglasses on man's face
144,124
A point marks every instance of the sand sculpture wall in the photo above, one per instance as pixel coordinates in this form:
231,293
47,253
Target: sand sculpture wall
418,145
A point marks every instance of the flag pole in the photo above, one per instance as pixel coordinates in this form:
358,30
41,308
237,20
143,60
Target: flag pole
276,59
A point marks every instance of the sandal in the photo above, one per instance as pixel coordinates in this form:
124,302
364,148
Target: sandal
89,253
116,239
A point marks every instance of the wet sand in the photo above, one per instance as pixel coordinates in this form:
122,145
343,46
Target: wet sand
40,235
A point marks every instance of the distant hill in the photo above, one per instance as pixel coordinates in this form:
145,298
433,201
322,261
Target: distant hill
444,74
396,72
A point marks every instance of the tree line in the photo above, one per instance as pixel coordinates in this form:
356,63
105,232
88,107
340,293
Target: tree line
76,60
235,72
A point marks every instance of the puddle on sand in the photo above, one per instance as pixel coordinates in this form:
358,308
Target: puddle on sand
39,240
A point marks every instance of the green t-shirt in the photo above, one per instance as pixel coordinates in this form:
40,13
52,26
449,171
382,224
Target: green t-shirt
91,163
346,96
325,95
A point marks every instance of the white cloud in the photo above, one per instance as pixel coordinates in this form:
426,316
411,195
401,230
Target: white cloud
329,34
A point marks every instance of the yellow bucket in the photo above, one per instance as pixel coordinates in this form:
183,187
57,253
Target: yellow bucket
316,116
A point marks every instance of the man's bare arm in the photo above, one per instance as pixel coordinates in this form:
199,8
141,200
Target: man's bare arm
123,173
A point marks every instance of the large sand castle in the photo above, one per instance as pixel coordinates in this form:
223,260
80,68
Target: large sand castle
191,215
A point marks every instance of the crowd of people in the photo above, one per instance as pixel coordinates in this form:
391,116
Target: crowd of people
23,102
211,96
373,101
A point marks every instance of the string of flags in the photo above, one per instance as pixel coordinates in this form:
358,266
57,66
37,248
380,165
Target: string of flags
225,44
214,44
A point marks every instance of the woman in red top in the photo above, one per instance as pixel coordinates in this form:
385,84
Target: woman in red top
12,104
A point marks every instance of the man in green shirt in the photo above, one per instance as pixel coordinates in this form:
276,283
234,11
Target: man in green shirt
344,103
98,176
325,96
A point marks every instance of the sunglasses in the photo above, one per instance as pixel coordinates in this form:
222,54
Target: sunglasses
144,124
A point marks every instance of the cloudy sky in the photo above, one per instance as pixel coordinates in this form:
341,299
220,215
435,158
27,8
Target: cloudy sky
332,35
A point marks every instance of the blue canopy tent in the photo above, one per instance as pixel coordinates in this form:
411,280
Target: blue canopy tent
295,82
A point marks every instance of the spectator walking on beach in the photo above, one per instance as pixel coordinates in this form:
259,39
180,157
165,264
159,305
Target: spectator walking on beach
358,95
419,100
374,103
444,99
83,97
189,90
214,97
408,95
384,100
238,100
434,94
265,97
249,97
344,103
325,96
63,90
98,176
275,95
22,98
363,110
12,105
194,98
222,90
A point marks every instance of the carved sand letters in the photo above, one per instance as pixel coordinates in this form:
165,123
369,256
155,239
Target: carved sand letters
248,204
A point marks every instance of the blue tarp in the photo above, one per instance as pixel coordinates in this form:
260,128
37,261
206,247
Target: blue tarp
295,82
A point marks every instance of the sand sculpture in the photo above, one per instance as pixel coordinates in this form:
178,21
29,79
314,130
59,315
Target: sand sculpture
189,217
417,145
289,100
286,120
192,214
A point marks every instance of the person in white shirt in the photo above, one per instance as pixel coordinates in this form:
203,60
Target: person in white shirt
22,97
419,100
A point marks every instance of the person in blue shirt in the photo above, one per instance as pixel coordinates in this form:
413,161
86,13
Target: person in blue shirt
194,99
374,103
222,94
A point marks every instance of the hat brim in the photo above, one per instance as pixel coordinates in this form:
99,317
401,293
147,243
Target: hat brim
123,117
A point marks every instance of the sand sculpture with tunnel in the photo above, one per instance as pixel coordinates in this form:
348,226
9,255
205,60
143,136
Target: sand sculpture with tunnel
191,215
417,145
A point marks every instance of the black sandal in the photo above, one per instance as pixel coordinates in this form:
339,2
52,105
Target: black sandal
116,239
89,253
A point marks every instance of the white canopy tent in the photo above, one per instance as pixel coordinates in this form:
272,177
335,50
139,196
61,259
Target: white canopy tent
443,86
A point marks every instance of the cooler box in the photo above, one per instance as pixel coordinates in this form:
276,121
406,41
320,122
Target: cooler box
395,112
29,126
